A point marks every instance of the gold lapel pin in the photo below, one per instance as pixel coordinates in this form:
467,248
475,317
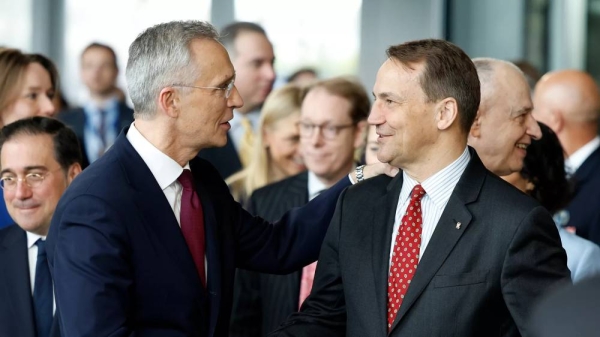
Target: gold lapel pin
458,225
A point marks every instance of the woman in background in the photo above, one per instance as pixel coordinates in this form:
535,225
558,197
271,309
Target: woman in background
275,152
28,85
543,177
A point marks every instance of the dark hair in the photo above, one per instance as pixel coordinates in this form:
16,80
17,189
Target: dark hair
66,146
544,167
102,46
349,89
229,34
448,72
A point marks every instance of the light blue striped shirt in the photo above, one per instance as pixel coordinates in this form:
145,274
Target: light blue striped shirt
438,189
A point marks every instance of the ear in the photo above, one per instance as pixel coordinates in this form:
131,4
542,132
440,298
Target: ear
475,131
74,170
556,121
447,113
360,134
169,101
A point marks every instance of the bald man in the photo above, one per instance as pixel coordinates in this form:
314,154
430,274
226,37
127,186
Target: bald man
568,102
504,126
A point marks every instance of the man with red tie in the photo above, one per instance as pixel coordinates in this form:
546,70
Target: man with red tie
446,248
145,242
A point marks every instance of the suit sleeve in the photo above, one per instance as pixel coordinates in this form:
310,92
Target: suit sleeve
292,242
246,313
535,262
324,311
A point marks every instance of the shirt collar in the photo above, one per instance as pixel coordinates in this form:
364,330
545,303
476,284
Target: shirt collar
439,187
164,169
315,186
253,116
578,157
32,239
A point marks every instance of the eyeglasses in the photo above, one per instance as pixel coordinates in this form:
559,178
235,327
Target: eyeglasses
33,180
228,88
328,131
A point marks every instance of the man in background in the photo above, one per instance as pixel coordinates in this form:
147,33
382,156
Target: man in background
568,101
252,56
39,157
332,125
98,123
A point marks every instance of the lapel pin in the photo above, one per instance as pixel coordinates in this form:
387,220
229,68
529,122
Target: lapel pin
458,225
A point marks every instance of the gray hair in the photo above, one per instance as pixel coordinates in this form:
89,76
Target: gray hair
160,57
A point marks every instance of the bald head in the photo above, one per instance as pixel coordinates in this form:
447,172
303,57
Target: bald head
571,93
504,127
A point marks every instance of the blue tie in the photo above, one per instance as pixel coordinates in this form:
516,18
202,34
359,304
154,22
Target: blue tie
42,292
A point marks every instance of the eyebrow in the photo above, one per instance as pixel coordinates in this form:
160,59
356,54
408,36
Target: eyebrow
387,94
521,112
226,80
27,169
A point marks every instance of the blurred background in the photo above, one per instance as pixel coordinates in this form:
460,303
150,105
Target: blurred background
337,37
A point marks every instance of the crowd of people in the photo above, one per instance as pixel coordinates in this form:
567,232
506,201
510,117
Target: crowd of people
455,201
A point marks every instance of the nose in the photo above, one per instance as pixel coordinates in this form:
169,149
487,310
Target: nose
375,117
316,138
533,128
47,107
235,99
268,72
22,190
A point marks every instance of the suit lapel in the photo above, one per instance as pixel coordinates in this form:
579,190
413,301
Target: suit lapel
446,233
15,272
154,207
213,248
382,227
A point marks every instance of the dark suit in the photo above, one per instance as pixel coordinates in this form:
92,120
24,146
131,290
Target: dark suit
263,301
17,317
225,159
76,119
584,213
479,280
121,264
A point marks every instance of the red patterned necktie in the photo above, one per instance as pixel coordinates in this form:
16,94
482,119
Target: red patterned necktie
192,222
405,255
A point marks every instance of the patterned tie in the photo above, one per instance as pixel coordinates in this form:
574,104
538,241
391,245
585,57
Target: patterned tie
102,132
192,222
42,292
247,142
405,256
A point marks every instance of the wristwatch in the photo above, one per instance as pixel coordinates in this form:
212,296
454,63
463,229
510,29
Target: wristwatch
359,173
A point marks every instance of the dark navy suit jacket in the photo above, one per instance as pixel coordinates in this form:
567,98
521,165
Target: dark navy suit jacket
121,264
16,304
225,159
584,209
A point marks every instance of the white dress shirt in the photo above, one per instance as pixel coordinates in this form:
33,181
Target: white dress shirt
164,169
575,160
315,186
438,189
32,251
237,129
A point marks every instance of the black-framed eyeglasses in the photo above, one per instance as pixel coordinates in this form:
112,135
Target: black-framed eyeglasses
33,180
328,131
228,88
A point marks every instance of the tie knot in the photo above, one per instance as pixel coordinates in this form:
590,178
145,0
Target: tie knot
186,179
417,193
41,246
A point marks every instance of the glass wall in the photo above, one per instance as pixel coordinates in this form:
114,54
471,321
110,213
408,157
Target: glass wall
116,23
317,33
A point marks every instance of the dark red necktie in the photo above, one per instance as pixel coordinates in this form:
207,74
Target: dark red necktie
405,256
192,222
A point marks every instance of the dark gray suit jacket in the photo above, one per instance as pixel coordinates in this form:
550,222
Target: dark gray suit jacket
263,301
16,303
479,280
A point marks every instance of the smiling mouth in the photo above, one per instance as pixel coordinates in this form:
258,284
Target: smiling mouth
522,146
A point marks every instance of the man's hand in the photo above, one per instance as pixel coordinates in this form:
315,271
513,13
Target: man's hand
373,170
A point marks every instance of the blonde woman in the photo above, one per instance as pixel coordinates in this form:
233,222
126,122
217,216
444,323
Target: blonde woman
275,152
